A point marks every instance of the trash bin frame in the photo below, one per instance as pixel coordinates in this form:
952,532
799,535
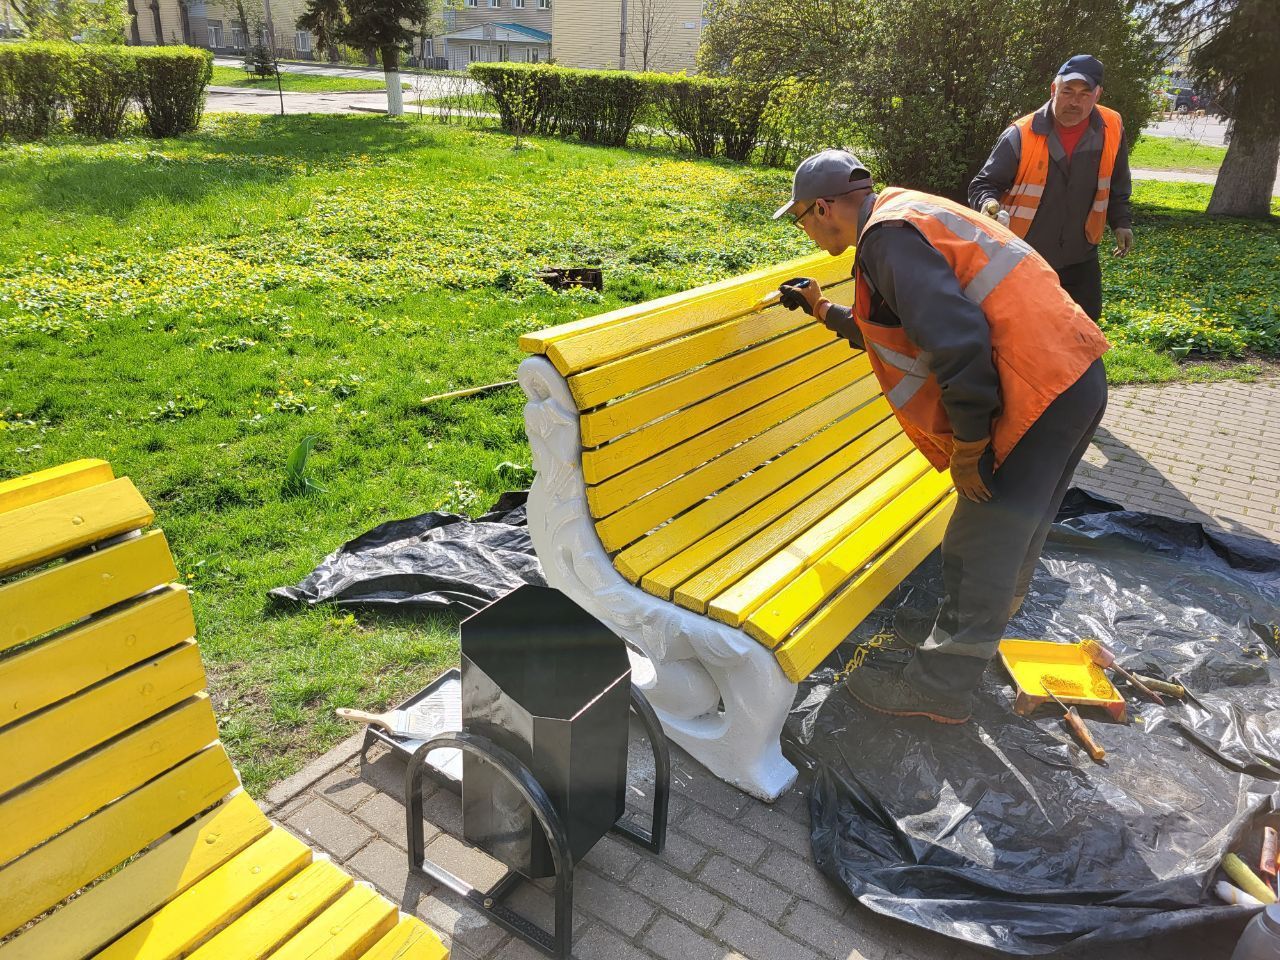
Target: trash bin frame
558,941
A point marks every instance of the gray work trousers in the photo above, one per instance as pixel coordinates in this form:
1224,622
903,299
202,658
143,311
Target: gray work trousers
990,550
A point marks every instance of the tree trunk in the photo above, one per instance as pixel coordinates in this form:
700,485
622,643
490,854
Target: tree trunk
1248,173
391,70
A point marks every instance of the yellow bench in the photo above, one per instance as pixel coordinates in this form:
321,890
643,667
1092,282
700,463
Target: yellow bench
114,789
721,481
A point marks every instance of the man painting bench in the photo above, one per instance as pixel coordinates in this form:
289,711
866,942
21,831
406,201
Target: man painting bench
992,370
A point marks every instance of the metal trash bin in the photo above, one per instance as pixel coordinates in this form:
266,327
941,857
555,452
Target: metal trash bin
546,703
549,683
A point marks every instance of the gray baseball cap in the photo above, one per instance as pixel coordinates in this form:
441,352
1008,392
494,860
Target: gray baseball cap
825,174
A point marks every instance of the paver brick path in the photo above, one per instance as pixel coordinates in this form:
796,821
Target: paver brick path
737,880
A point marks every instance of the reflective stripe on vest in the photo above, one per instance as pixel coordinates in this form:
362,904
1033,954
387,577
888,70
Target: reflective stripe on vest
1023,199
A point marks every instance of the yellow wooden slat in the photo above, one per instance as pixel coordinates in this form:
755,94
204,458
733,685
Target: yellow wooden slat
715,512
628,486
410,940
41,531
700,418
66,863
701,378
54,482
208,906
277,918
37,813
97,916
346,929
867,535
636,519
775,520
741,292
41,742
743,579
69,662
770,561
806,648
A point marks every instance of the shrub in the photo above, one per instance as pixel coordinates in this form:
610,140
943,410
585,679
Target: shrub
714,115
801,119
600,106
171,82
526,94
103,82
35,85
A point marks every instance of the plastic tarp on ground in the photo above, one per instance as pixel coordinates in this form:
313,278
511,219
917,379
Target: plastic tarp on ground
1003,832
436,561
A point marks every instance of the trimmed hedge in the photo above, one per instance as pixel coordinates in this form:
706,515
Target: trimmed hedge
712,116
94,84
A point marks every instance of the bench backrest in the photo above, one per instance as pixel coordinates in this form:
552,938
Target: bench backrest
706,417
108,741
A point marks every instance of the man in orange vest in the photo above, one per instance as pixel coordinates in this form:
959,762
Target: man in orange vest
993,372
1060,175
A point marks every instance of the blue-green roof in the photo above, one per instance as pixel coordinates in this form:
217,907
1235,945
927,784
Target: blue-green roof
538,35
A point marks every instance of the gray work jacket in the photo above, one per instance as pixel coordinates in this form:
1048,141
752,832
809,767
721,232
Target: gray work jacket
1057,232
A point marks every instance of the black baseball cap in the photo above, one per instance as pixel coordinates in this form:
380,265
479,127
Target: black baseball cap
828,173
1084,67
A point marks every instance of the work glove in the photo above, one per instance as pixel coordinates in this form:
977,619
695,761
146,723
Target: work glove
800,293
965,472
1124,241
993,210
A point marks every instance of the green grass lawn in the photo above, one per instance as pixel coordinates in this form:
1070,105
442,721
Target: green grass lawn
191,309
294,82
1175,153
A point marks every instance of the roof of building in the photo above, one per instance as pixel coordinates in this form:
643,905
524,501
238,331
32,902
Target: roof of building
502,33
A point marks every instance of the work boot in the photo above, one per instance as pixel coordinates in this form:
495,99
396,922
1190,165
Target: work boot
911,627
889,692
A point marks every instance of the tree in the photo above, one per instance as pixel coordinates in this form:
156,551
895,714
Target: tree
97,21
326,20
654,22
388,26
1233,56
929,85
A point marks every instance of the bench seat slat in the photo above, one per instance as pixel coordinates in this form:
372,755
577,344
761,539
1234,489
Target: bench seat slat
746,578
638,518
46,875
54,482
97,916
69,662
408,941
698,419
39,532
283,913
712,514
41,742
345,930
794,507
841,552
702,362
588,343
79,588
198,913
34,815
808,646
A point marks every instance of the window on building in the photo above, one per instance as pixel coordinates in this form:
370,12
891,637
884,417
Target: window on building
302,41
471,3
237,38
544,4
215,33
531,55
518,4
473,53
428,48
494,4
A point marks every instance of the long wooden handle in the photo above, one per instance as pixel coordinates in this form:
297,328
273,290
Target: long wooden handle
468,391
1072,719
361,716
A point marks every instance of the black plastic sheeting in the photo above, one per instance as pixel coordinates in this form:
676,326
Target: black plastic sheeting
1002,832
436,561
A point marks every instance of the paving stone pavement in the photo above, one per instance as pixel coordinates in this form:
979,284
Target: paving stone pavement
737,881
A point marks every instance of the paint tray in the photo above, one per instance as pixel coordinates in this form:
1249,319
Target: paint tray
1080,680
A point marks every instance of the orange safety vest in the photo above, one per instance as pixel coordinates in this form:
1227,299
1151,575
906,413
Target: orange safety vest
1023,199
1041,341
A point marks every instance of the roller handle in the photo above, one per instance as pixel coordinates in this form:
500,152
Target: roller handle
1163,686
1138,684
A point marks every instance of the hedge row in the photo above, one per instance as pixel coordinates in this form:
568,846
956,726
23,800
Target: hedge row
93,85
713,116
